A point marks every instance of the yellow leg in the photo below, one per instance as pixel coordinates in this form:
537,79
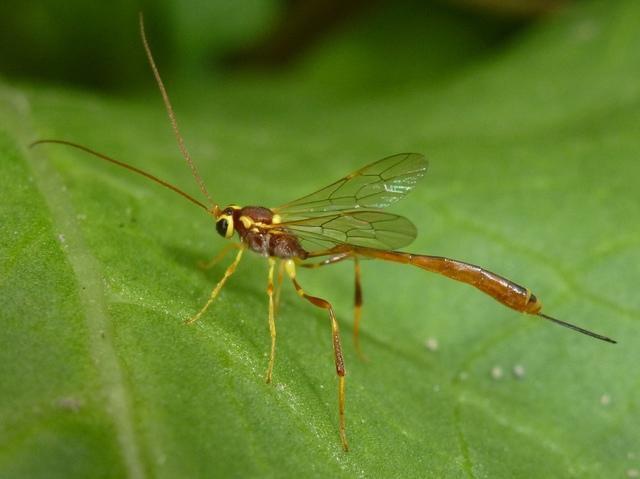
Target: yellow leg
218,287
272,319
337,346
216,259
279,286
332,260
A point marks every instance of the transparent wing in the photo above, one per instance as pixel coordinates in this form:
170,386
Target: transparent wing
371,229
374,186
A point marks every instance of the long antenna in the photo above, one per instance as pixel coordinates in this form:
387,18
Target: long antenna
578,328
124,165
172,117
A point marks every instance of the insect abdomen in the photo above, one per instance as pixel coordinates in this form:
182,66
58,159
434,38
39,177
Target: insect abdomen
498,287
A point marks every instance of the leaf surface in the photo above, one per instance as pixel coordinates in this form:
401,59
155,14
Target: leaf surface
533,153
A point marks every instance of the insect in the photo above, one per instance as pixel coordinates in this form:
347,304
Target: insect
342,221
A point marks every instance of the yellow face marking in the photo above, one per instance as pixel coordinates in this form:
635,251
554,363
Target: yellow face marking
246,221
276,219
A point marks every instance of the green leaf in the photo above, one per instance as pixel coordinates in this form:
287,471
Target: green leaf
534,175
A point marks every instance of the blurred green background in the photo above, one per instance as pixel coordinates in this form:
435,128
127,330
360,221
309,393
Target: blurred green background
528,113
82,43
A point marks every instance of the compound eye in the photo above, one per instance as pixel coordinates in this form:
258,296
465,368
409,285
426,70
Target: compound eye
221,227
224,227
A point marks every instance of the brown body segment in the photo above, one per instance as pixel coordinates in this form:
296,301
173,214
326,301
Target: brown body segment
498,287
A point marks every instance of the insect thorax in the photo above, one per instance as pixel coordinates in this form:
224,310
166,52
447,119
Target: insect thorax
253,224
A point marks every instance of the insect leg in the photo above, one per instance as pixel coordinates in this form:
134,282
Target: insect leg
337,346
218,287
279,286
216,259
358,293
357,311
272,319
333,259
